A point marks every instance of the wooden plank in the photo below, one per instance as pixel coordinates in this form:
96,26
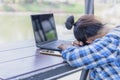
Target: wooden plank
17,45
11,55
26,65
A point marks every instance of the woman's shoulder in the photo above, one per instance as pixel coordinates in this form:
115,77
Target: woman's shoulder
114,32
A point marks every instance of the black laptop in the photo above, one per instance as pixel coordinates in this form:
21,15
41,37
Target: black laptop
45,32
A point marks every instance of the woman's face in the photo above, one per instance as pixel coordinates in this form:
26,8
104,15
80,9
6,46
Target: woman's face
91,39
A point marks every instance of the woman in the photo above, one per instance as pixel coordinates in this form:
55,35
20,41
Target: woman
101,56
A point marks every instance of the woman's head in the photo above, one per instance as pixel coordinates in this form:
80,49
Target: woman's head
85,27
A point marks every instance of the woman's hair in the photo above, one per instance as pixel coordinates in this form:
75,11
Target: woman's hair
86,26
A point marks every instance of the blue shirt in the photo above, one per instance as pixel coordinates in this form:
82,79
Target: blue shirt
102,57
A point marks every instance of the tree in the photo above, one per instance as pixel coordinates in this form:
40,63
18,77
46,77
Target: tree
13,1
29,1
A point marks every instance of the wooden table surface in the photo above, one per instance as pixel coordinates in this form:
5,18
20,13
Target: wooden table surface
22,58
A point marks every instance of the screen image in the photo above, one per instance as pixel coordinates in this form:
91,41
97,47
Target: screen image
44,27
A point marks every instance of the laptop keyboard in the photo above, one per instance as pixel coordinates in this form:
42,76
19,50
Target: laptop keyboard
60,42
57,43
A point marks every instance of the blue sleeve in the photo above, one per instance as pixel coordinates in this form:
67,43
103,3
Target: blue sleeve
93,55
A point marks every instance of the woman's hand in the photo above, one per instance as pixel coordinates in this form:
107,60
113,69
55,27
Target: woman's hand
64,46
77,43
74,43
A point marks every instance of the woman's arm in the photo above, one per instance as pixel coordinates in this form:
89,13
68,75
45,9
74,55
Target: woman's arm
98,53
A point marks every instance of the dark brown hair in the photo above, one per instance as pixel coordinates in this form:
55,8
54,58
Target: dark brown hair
86,26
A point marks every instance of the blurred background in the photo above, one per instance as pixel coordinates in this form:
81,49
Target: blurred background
15,22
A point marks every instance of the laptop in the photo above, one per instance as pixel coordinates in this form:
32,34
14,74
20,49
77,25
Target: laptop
45,33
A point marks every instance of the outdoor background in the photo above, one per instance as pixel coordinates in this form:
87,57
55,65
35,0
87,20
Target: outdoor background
16,26
15,22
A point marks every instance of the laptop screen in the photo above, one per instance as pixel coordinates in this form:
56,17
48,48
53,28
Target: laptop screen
44,27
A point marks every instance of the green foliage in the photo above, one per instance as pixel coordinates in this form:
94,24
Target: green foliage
7,8
31,7
73,8
43,7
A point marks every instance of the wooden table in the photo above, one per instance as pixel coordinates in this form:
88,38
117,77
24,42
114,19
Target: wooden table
22,59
